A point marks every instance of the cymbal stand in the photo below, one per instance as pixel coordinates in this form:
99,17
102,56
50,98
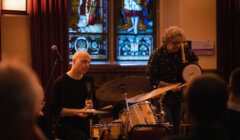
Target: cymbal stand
129,122
91,127
162,112
90,106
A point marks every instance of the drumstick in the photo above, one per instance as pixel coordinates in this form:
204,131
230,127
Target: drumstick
106,107
183,53
183,85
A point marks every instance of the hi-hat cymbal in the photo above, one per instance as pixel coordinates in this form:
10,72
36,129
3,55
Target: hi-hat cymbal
112,91
152,94
92,111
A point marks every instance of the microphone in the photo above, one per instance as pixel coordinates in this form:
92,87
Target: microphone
54,48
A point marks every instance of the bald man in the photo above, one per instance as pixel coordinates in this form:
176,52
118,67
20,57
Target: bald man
72,91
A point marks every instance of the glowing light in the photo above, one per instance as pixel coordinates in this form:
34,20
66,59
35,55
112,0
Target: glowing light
15,5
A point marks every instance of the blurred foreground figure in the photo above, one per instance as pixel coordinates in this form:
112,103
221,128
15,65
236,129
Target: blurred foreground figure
19,102
232,119
205,103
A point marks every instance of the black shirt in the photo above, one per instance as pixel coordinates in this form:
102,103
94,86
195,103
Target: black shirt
70,93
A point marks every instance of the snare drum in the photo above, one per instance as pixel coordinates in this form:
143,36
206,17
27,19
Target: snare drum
99,130
115,130
96,131
140,113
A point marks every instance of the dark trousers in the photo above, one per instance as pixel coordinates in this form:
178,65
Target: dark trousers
65,132
174,116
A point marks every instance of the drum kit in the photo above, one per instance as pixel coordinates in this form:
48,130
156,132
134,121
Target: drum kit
134,90
140,112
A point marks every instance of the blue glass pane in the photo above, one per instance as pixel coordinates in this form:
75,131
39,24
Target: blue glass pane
95,45
131,47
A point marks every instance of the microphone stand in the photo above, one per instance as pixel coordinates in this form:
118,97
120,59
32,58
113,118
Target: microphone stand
51,74
47,85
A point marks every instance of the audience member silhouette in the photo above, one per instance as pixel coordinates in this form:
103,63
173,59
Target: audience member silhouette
19,102
232,119
205,101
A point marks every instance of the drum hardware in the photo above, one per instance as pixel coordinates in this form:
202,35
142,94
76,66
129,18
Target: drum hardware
129,122
147,121
154,108
91,111
162,112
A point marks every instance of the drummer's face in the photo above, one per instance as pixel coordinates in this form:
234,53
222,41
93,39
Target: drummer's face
82,64
174,44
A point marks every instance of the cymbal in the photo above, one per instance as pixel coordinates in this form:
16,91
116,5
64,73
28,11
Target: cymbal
152,94
113,90
92,111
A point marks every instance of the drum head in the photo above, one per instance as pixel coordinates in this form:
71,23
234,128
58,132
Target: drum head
191,71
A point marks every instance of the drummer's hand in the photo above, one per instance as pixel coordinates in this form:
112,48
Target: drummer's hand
88,103
177,89
82,115
163,84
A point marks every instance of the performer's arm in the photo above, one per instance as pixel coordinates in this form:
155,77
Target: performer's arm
66,112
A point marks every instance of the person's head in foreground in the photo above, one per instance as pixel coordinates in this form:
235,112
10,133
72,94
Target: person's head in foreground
206,100
19,102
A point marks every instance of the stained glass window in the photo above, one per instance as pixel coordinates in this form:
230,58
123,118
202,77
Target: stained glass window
134,30
88,28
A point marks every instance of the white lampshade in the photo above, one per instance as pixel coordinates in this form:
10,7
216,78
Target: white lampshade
14,5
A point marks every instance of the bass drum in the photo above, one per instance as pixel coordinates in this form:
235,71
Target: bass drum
190,72
140,113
